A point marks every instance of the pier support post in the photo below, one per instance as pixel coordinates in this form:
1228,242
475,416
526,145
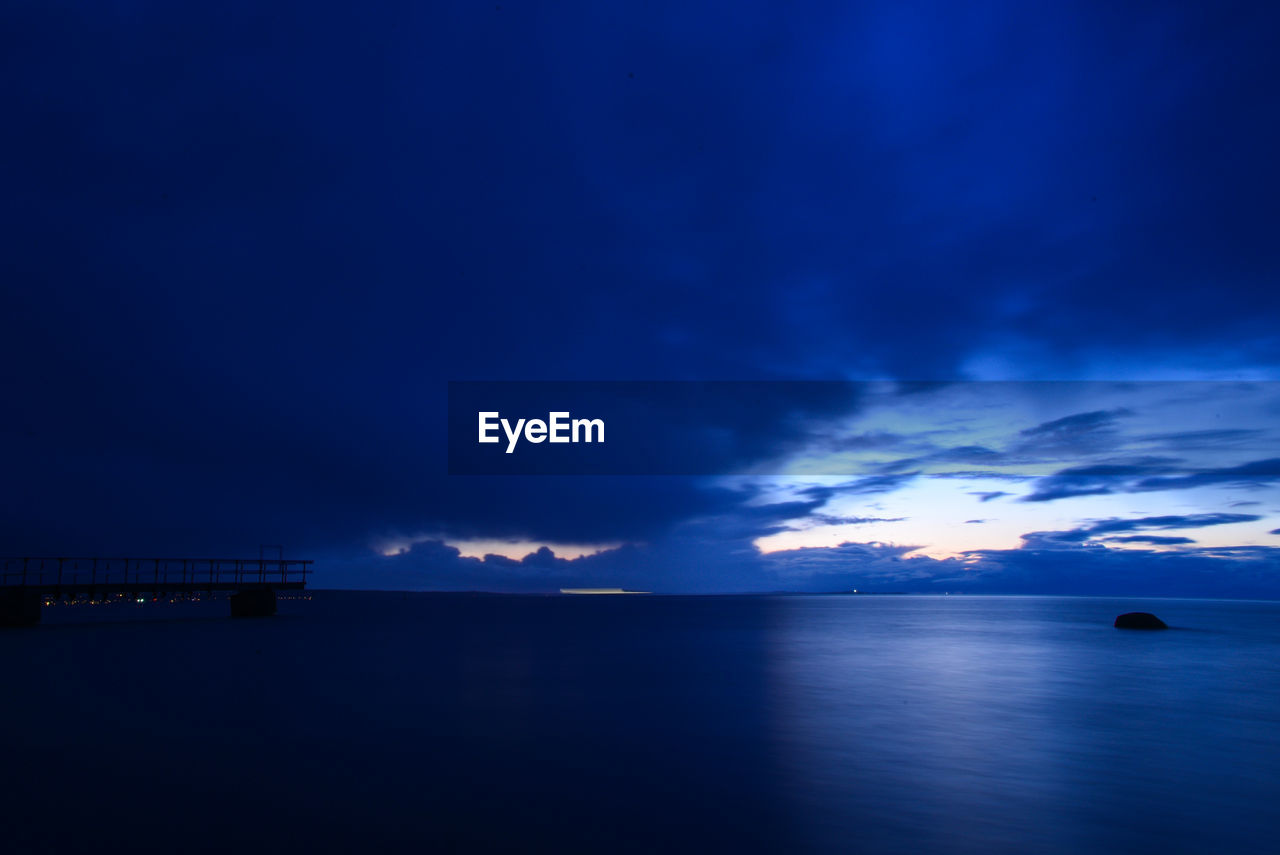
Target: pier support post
20,607
255,602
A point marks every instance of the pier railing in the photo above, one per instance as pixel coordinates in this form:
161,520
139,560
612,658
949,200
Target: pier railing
56,575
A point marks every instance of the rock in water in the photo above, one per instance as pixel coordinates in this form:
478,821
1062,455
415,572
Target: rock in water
1140,620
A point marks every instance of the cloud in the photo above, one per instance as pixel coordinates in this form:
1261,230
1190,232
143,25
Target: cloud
1254,474
1169,521
714,553
1075,482
836,519
136,433
1149,538
435,566
975,454
1095,479
989,495
702,565
1085,535
982,475
1082,433
1201,439
872,441
870,485
1077,425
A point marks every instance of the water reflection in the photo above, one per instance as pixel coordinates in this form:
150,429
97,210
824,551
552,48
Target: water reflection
1025,724
397,722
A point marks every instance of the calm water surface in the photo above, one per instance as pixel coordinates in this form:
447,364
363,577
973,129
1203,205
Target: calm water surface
413,722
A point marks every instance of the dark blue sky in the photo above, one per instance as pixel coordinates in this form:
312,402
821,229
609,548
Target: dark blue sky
246,245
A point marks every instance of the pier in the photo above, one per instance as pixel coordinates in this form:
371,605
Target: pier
27,583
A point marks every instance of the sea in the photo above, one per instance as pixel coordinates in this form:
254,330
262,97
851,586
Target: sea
416,722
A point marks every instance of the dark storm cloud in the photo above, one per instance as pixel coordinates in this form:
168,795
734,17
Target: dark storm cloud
246,248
